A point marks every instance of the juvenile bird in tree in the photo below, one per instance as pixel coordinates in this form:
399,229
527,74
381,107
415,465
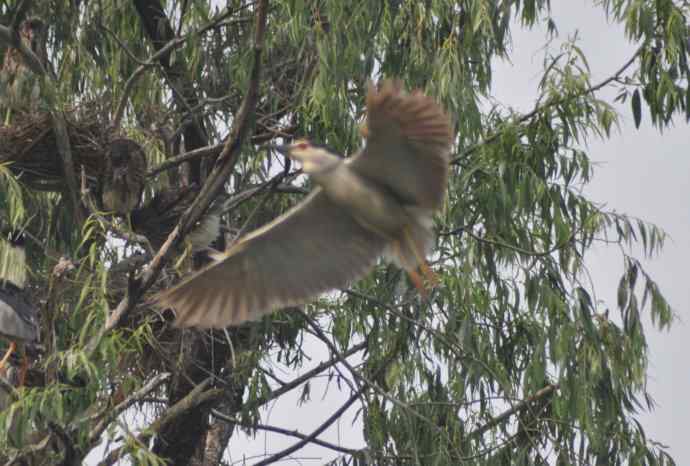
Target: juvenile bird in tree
157,218
124,176
18,318
377,203
21,88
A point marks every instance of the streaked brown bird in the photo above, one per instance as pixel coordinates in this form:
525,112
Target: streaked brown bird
157,218
18,318
379,202
21,88
124,176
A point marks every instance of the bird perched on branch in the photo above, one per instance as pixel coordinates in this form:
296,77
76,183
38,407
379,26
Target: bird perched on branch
379,202
124,176
18,322
20,87
158,217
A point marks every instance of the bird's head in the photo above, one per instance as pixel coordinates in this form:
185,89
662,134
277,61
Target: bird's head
125,156
119,161
314,158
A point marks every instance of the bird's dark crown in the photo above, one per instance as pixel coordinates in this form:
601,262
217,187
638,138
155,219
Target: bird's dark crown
325,147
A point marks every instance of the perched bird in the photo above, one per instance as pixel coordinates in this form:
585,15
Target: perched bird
124,177
21,88
378,202
157,218
18,318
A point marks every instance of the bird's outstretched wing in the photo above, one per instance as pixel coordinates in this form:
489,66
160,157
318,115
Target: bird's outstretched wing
312,248
408,145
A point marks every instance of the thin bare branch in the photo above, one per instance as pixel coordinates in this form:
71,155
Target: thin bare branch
280,430
312,437
208,151
540,108
111,413
198,396
262,400
543,393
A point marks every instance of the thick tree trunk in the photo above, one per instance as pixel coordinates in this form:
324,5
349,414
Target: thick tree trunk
159,30
181,440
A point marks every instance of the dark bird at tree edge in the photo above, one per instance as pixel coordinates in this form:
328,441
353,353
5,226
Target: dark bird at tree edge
124,177
157,218
20,88
18,318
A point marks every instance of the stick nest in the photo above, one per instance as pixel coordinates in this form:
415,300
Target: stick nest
30,145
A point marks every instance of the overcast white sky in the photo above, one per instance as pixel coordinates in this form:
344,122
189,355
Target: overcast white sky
641,173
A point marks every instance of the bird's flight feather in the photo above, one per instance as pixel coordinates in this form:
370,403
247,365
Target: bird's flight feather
312,248
408,145
317,246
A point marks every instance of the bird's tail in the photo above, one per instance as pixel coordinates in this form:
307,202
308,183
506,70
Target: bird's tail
416,241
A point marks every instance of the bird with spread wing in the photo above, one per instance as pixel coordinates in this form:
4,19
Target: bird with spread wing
376,203
18,318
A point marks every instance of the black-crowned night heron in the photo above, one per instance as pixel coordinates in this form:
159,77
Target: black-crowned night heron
20,88
378,202
157,218
17,317
124,176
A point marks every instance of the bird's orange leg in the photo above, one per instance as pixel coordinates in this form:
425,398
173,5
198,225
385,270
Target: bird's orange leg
429,274
418,282
7,355
414,276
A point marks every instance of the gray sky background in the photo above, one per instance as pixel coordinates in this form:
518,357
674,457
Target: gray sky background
639,172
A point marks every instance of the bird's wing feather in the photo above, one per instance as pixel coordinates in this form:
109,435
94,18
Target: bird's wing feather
313,248
17,318
408,145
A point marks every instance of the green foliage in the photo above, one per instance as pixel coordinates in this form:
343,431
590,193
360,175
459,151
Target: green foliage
512,356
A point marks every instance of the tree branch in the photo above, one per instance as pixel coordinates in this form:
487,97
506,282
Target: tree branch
198,396
543,393
312,437
280,430
540,108
10,37
156,58
131,81
158,27
111,413
208,151
262,400
224,165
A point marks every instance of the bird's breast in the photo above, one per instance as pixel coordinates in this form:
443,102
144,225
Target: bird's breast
371,205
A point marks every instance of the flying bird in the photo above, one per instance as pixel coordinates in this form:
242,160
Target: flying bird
376,203
18,318
124,177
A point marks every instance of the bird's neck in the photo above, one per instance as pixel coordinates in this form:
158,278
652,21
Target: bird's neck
12,263
328,168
